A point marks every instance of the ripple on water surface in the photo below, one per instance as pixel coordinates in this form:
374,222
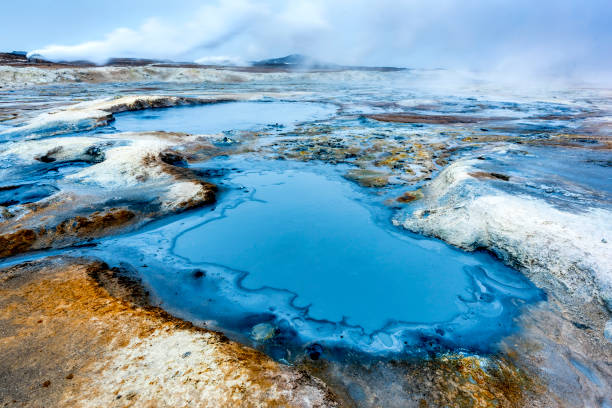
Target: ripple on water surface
300,251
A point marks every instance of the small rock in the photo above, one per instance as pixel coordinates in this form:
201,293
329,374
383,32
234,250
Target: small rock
489,175
95,153
410,196
172,158
46,383
608,331
314,351
368,178
263,331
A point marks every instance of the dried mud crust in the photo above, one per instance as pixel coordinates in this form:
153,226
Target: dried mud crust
75,333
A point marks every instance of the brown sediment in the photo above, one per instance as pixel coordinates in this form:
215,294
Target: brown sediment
6,116
487,138
393,158
74,333
567,140
577,141
556,334
410,196
17,242
67,232
452,380
464,381
570,117
95,223
206,196
489,175
409,159
167,161
427,119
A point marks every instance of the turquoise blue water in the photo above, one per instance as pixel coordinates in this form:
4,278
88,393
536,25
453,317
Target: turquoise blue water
294,254
301,231
313,258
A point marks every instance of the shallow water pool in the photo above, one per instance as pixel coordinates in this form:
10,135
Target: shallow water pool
302,232
294,254
219,117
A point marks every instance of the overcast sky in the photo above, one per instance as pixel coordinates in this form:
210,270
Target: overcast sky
560,37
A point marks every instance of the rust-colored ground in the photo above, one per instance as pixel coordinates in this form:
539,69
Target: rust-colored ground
74,333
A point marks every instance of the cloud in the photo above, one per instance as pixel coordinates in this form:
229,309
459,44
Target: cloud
561,37
220,60
206,28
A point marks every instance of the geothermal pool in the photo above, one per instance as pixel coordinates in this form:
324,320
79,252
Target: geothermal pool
295,254
220,117
298,259
303,232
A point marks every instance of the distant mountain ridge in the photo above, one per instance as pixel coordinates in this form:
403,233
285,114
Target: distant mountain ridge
288,63
295,61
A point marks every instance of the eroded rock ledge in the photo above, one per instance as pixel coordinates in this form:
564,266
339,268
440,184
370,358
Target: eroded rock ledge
560,248
124,180
92,114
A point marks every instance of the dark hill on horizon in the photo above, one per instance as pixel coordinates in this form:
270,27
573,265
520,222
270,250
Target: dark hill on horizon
292,62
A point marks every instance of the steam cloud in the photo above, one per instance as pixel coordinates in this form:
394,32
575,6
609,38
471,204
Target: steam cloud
555,37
